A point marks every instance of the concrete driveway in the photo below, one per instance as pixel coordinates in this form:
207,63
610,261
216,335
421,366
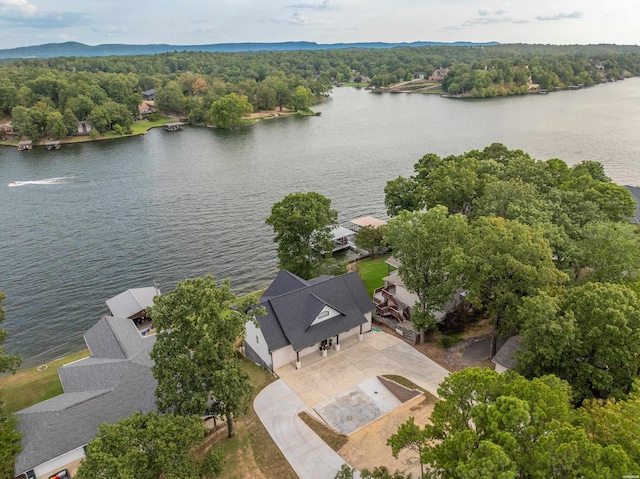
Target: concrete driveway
278,404
379,353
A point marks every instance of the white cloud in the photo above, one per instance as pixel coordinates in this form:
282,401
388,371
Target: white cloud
17,8
298,19
325,5
560,16
204,29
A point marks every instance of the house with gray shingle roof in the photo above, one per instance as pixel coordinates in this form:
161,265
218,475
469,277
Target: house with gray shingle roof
111,384
133,302
635,192
307,317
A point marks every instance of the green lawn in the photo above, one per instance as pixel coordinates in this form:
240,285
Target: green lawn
333,439
30,386
371,271
357,85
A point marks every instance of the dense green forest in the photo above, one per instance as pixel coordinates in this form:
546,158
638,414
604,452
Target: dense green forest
47,97
543,249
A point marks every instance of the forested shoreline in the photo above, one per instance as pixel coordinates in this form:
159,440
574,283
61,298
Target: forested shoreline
48,97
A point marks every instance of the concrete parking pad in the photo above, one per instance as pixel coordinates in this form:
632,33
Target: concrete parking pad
279,404
379,354
357,407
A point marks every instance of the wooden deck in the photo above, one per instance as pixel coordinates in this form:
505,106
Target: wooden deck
388,305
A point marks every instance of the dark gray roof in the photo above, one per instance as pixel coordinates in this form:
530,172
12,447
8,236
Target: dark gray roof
106,387
635,192
149,92
116,338
290,315
505,355
285,282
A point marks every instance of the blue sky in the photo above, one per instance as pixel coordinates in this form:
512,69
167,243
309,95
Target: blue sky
183,22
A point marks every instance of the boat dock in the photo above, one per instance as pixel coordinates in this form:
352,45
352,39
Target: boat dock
175,126
25,145
53,145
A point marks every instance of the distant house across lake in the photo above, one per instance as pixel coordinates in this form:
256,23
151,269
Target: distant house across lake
149,95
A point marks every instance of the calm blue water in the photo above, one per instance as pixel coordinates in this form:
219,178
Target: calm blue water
107,216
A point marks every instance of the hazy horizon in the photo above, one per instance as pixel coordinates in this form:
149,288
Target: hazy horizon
200,22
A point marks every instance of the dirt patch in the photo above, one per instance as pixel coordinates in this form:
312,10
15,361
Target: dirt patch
367,448
451,358
269,113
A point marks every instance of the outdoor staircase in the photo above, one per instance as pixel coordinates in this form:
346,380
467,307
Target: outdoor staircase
402,393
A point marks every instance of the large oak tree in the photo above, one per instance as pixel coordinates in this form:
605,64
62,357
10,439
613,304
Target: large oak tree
200,323
302,223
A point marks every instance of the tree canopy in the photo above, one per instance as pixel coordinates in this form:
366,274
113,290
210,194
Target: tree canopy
9,436
489,425
302,223
430,248
194,356
229,110
589,336
508,261
149,446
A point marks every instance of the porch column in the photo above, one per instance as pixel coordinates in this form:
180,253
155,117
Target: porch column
360,336
337,342
298,363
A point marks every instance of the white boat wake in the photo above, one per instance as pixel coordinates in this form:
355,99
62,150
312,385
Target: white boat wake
47,181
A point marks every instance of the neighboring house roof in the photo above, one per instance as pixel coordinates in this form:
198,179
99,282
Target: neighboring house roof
635,192
341,232
505,355
290,313
391,261
150,92
131,301
368,221
110,385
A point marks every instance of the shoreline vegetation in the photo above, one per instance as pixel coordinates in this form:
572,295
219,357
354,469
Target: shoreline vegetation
142,127
57,97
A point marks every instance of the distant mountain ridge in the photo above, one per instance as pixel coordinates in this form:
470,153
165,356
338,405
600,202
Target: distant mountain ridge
75,49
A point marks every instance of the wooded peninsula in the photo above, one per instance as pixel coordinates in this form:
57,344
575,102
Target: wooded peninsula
103,96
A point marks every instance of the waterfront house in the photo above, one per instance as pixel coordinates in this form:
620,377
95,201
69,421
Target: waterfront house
394,300
439,74
84,128
149,95
111,384
7,132
132,303
307,318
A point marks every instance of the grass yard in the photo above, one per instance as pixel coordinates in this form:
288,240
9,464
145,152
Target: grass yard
371,271
30,386
251,453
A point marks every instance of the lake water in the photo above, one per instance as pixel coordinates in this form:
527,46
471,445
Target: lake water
94,219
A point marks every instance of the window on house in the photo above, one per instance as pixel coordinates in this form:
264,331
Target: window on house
257,339
323,314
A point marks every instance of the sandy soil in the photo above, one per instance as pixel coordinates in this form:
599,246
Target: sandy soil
269,113
367,448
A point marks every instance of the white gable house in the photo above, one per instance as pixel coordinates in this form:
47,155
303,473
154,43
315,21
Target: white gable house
306,317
